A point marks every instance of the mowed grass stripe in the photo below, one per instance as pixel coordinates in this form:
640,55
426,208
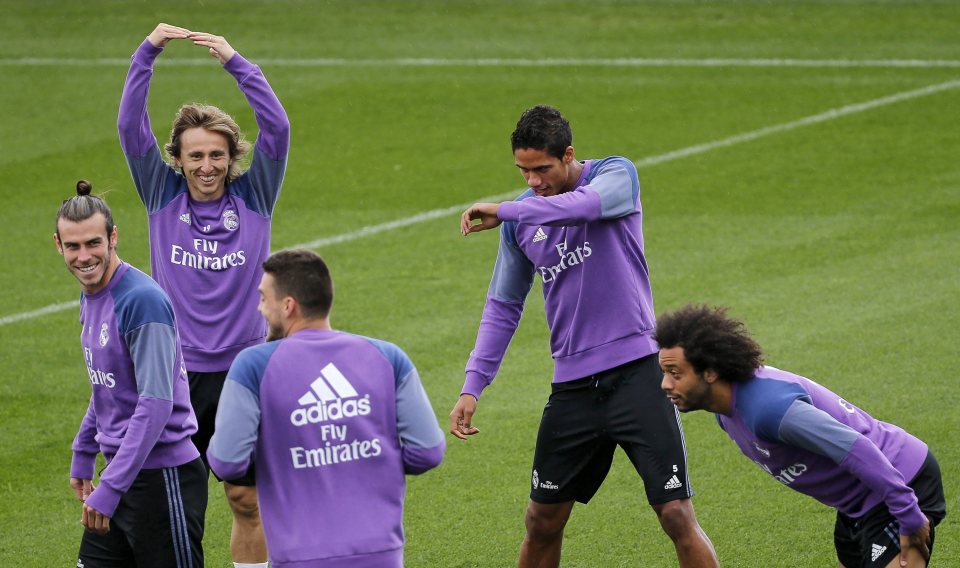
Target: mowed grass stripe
642,163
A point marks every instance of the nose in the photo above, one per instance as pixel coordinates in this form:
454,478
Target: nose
533,180
666,383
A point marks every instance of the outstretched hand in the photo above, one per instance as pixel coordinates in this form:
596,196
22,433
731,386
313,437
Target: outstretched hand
461,418
218,46
486,213
165,32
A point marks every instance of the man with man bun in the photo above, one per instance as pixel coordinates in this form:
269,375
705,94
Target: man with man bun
147,509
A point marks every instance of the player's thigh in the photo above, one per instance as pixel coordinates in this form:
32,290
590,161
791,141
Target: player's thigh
572,455
648,427
164,516
109,550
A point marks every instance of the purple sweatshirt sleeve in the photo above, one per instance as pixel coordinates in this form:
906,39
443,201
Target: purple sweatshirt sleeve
133,122
273,139
868,464
153,351
812,429
497,326
85,446
612,192
422,441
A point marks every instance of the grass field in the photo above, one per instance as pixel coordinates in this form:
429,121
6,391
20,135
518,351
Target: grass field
799,163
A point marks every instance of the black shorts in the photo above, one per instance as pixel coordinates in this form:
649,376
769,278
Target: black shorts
874,539
586,419
158,523
205,389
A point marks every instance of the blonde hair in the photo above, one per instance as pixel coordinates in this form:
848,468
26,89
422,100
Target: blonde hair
213,119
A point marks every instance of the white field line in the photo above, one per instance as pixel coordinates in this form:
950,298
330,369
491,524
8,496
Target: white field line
642,163
498,62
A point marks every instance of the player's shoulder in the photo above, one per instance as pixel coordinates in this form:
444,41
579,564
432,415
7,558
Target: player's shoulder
610,163
763,400
393,354
252,361
140,300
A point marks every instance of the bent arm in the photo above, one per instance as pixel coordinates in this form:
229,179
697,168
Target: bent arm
133,122
153,350
273,138
814,430
613,192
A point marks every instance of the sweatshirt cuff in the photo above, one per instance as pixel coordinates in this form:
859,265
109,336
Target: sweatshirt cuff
104,500
509,211
238,66
82,465
147,53
911,521
474,384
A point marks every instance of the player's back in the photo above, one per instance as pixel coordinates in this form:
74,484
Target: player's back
328,457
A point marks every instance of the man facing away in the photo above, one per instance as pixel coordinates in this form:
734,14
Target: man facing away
335,420
578,227
148,508
209,233
884,483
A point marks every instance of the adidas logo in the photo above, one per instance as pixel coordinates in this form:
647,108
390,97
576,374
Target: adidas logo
331,397
185,218
673,483
877,551
540,235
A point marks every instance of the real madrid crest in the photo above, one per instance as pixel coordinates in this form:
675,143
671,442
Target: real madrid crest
104,334
231,220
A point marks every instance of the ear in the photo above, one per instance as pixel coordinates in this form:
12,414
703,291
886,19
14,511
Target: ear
289,306
568,155
56,240
113,237
710,376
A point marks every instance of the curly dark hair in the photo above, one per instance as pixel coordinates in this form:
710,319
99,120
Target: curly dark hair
710,340
542,128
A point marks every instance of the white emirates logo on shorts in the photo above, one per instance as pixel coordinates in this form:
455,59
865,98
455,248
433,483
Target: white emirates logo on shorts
673,483
877,552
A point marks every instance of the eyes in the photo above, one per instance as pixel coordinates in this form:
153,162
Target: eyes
215,155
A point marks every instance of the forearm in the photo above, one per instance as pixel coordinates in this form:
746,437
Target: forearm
143,431
273,138
868,464
85,446
133,122
497,327
574,207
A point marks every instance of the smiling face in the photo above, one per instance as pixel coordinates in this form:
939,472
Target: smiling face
547,175
205,161
686,389
271,307
88,251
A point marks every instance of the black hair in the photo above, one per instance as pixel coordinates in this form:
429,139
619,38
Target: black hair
710,340
84,205
542,128
302,275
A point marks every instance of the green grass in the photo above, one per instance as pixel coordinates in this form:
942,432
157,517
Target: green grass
837,242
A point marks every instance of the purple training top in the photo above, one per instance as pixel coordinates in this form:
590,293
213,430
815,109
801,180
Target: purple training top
817,443
334,420
586,245
207,255
139,415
